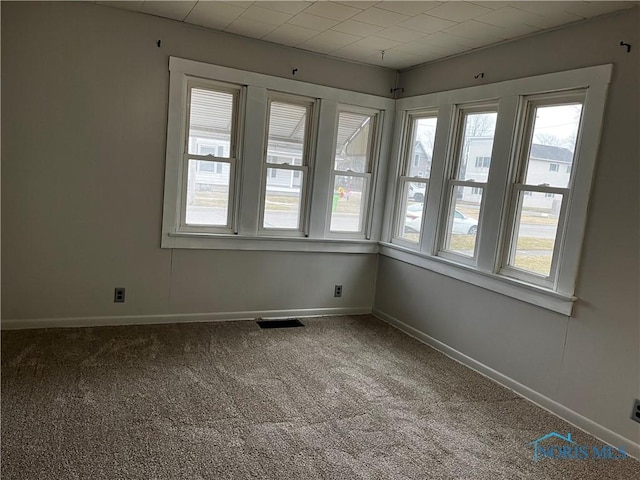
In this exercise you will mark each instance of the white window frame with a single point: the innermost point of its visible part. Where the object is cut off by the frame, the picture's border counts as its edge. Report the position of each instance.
(367, 176)
(306, 167)
(252, 135)
(524, 140)
(453, 164)
(497, 202)
(407, 139)
(238, 98)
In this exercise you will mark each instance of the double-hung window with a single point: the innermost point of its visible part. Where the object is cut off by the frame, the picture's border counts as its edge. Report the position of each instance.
(356, 133)
(287, 164)
(209, 157)
(540, 194)
(508, 188)
(413, 183)
(465, 188)
(252, 163)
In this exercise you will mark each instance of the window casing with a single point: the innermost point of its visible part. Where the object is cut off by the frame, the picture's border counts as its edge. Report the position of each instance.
(356, 145)
(209, 159)
(246, 165)
(290, 127)
(413, 183)
(531, 218)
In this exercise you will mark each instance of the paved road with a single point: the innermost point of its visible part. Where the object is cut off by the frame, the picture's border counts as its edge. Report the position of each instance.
(217, 216)
(341, 221)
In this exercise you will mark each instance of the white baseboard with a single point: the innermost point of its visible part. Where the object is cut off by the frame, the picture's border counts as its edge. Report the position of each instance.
(579, 421)
(18, 324)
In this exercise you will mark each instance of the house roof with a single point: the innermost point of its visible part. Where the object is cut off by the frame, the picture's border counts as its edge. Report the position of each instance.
(549, 152)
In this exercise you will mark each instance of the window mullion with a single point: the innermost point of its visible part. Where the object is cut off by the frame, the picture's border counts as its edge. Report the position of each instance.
(496, 191)
(437, 191)
(252, 140)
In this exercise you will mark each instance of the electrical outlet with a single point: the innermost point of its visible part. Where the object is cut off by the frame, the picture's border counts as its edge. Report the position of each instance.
(635, 415)
(118, 295)
(337, 292)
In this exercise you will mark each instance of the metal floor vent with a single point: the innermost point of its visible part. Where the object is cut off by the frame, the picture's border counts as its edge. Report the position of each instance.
(292, 322)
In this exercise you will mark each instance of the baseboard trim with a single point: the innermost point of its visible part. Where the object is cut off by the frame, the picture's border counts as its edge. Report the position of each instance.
(19, 324)
(577, 420)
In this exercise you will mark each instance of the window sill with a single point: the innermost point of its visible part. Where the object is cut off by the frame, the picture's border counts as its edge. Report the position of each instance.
(212, 241)
(539, 296)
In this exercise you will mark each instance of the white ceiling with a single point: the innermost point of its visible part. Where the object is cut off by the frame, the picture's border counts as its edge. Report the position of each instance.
(409, 32)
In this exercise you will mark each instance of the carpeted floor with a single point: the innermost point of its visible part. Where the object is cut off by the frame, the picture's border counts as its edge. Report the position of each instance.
(341, 398)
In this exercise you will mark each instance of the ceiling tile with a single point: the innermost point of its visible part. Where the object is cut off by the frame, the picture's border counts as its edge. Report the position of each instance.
(334, 11)
(400, 34)
(243, 5)
(427, 24)
(358, 4)
(217, 15)
(377, 43)
(407, 8)
(292, 8)
(458, 11)
(357, 28)
(551, 13)
(493, 5)
(174, 10)
(319, 24)
(328, 41)
(377, 16)
(250, 28)
(446, 40)
(591, 9)
(135, 6)
(478, 30)
(356, 52)
(264, 15)
(291, 35)
(508, 17)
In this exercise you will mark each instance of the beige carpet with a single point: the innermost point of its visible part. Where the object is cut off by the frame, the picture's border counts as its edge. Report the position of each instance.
(341, 398)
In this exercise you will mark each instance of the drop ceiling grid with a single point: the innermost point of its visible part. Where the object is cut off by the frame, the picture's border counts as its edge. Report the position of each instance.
(409, 32)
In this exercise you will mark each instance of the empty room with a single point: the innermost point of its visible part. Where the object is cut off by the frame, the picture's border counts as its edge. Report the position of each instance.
(320, 240)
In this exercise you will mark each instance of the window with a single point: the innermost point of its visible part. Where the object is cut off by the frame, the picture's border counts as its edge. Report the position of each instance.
(414, 182)
(465, 188)
(351, 175)
(534, 242)
(483, 162)
(212, 117)
(287, 152)
(507, 190)
(252, 163)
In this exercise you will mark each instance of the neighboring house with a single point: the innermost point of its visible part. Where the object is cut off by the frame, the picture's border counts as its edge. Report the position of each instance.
(547, 165)
(421, 160)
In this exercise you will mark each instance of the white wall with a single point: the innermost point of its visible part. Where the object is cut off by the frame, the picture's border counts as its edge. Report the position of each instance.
(84, 96)
(589, 363)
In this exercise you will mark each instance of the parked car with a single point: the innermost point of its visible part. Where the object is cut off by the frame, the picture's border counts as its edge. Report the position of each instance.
(416, 192)
(462, 225)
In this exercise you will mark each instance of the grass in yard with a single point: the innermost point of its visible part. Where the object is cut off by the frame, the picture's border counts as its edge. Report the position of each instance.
(534, 263)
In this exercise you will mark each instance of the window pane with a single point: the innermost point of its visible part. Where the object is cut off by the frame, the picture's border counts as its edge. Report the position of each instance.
(536, 227)
(287, 124)
(346, 209)
(210, 121)
(424, 134)
(476, 147)
(207, 193)
(353, 142)
(411, 221)
(462, 222)
(555, 130)
(282, 199)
